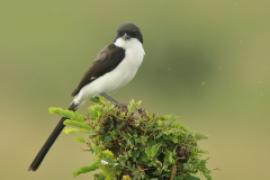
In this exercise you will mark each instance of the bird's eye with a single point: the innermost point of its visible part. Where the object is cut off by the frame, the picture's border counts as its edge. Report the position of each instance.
(132, 34)
(121, 33)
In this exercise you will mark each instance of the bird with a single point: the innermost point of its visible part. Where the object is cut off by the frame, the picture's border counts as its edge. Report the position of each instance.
(114, 67)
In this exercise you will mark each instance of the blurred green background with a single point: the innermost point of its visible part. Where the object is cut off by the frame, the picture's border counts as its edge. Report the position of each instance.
(206, 61)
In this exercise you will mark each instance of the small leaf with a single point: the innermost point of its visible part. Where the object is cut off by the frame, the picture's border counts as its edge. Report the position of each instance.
(107, 154)
(82, 126)
(71, 130)
(66, 113)
(87, 169)
(151, 151)
(199, 136)
(169, 157)
(133, 105)
(95, 99)
(80, 140)
(126, 177)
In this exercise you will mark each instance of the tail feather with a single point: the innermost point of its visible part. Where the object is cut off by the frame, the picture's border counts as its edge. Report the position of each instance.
(50, 141)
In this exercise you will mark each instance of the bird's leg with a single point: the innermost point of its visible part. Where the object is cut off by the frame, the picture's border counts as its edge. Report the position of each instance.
(109, 98)
(121, 106)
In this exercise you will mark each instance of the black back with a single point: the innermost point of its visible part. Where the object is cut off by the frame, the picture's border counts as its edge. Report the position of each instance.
(108, 59)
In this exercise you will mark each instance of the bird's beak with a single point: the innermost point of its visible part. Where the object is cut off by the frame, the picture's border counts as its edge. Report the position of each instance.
(126, 36)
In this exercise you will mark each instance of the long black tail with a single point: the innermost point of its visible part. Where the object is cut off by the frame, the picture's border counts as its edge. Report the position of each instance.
(51, 139)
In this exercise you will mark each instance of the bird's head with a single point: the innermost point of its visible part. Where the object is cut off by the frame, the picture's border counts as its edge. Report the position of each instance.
(128, 34)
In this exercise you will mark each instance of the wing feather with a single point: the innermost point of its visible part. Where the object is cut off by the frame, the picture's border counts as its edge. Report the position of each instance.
(108, 59)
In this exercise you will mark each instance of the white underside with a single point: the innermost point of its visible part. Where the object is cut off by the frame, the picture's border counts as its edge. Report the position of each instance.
(119, 76)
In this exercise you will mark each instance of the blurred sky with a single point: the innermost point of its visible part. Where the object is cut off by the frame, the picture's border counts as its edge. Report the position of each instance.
(206, 62)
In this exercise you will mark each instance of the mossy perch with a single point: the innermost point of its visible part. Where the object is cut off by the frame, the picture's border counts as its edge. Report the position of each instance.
(131, 143)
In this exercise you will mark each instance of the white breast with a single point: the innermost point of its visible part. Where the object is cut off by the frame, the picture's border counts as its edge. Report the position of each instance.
(118, 77)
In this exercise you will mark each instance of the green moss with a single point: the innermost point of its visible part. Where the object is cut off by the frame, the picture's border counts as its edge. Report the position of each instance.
(131, 143)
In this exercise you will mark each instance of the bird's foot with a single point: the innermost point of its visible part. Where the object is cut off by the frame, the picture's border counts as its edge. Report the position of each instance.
(121, 107)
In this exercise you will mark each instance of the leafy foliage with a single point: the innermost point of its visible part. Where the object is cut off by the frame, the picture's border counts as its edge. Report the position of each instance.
(131, 143)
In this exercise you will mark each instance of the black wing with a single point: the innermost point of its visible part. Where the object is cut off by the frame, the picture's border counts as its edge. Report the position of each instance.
(106, 61)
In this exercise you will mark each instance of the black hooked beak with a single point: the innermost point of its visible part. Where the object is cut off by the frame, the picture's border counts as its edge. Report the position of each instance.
(126, 36)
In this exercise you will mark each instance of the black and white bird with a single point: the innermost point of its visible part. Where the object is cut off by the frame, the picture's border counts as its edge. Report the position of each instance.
(115, 66)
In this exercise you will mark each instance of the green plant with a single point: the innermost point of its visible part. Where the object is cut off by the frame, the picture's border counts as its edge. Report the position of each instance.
(131, 143)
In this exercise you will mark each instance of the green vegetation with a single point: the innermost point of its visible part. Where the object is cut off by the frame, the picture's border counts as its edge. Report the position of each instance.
(131, 143)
